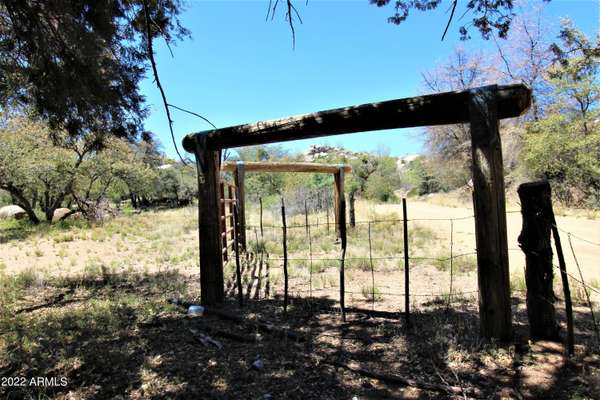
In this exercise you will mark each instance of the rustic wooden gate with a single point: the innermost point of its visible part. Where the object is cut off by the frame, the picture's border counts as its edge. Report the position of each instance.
(226, 209)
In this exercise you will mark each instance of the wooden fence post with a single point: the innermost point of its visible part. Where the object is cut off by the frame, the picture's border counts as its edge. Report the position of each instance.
(262, 232)
(212, 289)
(337, 198)
(565, 283)
(327, 212)
(341, 227)
(490, 215)
(351, 212)
(406, 265)
(535, 243)
(306, 217)
(285, 257)
(239, 175)
(236, 248)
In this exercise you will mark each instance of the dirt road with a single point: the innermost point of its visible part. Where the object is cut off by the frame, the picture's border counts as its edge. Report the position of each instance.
(585, 233)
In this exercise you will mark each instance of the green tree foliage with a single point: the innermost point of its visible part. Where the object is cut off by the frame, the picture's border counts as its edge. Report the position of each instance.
(574, 74)
(175, 185)
(384, 180)
(419, 178)
(50, 170)
(488, 16)
(5, 198)
(557, 139)
(564, 147)
(267, 184)
(78, 63)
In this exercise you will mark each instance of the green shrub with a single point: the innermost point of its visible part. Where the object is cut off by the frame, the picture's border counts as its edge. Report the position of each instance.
(517, 283)
(372, 293)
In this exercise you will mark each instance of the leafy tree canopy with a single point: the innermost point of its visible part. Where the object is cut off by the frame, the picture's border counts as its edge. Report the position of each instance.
(488, 15)
(78, 63)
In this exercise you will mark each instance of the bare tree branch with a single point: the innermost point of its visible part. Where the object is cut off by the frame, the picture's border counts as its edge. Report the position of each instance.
(193, 113)
(504, 59)
(157, 80)
(291, 22)
(450, 19)
(289, 16)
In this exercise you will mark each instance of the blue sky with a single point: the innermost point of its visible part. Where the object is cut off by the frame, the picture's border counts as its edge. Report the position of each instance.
(238, 68)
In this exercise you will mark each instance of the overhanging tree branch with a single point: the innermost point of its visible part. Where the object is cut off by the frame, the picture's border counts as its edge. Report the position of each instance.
(192, 113)
(450, 19)
(157, 79)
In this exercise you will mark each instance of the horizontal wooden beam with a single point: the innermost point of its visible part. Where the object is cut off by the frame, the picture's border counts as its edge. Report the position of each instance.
(254, 166)
(435, 109)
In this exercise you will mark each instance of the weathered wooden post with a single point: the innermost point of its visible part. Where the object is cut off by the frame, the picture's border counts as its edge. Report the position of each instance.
(535, 243)
(262, 232)
(337, 197)
(351, 212)
(223, 219)
(327, 212)
(341, 218)
(236, 249)
(238, 176)
(406, 265)
(285, 257)
(490, 215)
(212, 289)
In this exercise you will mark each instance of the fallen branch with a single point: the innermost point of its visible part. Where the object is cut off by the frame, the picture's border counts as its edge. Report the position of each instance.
(57, 301)
(396, 379)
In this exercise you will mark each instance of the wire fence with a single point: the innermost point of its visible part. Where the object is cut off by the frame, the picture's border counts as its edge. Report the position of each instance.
(441, 262)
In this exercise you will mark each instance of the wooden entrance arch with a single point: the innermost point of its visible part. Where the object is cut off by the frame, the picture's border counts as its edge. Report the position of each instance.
(481, 107)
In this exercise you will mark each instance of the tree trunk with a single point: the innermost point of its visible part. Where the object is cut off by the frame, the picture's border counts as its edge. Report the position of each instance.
(20, 200)
(535, 243)
(34, 199)
(49, 212)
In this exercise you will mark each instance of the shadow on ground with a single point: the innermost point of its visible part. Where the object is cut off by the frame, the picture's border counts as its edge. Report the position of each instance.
(117, 336)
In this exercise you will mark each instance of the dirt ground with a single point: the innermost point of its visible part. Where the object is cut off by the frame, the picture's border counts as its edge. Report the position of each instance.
(97, 313)
(588, 254)
(108, 346)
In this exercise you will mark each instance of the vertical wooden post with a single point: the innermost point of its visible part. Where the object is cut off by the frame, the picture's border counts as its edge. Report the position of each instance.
(351, 212)
(337, 198)
(236, 248)
(535, 243)
(209, 224)
(566, 289)
(285, 260)
(341, 218)
(327, 212)
(262, 232)
(223, 219)
(319, 205)
(306, 217)
(406, 266)
(490, 215)
(239, 175)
